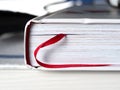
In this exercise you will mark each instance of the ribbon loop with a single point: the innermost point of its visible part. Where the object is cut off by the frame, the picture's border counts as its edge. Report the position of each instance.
(54, 40)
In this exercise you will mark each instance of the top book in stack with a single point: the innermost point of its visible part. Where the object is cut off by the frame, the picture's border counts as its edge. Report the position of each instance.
(76, 38)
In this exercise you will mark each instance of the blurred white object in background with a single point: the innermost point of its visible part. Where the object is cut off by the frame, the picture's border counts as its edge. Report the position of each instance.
(56, 6)
(34, 7)
(114, 3)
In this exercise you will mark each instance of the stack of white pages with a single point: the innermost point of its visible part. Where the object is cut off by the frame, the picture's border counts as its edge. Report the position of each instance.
(76, 38)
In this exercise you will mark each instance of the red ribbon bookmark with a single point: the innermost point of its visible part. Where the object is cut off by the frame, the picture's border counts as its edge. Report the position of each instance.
(54, 40)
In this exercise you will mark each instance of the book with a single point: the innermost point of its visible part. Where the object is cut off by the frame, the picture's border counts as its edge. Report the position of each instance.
(85, 14)
(77, 38)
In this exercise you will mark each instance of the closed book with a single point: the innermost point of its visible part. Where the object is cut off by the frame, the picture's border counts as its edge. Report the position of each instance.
(76, 38)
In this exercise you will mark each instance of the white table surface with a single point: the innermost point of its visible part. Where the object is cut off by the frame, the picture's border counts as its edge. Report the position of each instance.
(28, 79)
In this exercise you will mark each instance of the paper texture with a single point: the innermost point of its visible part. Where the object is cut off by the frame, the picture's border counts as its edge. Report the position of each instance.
(95, 44)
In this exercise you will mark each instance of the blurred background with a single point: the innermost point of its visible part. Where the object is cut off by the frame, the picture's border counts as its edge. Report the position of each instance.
(14, 14)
